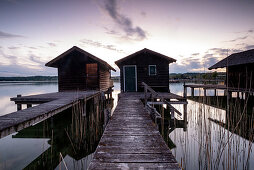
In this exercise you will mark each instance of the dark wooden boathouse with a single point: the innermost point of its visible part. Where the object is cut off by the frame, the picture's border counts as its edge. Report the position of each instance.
(80, 70)
(240, 69)
(144, 66)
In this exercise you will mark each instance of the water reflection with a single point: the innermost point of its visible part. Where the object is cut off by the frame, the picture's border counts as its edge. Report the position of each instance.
(68, 138)
(8, 90)
(215, 138)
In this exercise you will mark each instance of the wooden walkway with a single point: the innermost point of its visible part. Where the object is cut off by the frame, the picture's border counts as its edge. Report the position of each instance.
(53, 103)
(131, 140)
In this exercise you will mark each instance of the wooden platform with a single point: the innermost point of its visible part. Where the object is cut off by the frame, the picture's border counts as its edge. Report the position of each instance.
(131, 140)
(219, 87)
(53, 103)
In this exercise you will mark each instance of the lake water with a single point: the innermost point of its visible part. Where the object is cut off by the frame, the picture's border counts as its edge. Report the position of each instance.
(205, 144)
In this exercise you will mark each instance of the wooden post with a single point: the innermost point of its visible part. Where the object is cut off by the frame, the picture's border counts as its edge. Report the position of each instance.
(145, 90)
(184, 90)
(237, 94)
(172, 113)
(192, 92)
(29, 105)
(185, 116)
(215, 92)
(19, 106)
(162, 119)
(204, 92)
(110, 97)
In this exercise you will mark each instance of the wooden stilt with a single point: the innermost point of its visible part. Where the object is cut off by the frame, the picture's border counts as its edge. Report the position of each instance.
(184, 91)
(185, 116)
(19, 106)
(192, 92)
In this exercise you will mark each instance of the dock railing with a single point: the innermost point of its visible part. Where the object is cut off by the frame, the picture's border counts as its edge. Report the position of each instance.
(149, 93)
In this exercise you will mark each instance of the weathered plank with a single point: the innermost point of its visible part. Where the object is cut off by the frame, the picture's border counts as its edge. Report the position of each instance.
(24, 118)
(131, 140)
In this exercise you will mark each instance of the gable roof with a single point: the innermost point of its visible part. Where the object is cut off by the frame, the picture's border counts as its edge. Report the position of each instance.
(145, 50)
(53, 62)
(244, 57)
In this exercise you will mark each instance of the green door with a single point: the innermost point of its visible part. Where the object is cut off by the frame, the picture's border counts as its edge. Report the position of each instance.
(130, 78)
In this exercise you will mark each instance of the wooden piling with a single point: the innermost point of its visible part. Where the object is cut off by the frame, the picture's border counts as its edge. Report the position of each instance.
(184, 91)
(19, 106)
(192, 92)
(185, 116)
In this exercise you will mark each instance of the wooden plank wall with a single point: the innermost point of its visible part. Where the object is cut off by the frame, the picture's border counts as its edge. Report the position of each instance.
(104, 78)
(72, 74)
(143, 61)
(241, 76)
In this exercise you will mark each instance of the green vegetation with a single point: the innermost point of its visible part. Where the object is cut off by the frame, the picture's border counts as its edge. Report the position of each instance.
(30, 78)
(194, 76)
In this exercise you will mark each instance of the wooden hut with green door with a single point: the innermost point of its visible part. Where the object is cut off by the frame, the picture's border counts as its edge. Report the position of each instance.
(144, 66)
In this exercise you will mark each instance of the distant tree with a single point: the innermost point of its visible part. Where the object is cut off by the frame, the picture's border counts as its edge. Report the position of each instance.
(214, 75)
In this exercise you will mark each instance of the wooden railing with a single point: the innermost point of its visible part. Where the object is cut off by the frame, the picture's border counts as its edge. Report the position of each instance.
(149, 93)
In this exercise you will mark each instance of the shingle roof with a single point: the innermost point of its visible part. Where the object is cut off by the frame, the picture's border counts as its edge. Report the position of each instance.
(244, 57)
(145, 50)
(53, 62)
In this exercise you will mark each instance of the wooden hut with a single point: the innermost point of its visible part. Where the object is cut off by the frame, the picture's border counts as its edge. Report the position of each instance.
(144, 66)
(239, 67)
(80, 70)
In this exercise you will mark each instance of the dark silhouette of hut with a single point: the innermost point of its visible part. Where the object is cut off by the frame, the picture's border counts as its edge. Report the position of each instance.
(144, 66)
(80, 70)
(239, 67)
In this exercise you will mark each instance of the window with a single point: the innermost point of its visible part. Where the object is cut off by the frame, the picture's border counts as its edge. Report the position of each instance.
(152, 70)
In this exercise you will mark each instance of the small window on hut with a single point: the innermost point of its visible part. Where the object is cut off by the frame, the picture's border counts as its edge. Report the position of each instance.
(152, 70)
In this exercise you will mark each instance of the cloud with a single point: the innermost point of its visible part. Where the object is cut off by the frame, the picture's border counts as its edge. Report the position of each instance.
(143, 14)
(52, 44)
(99, 44)
(249, 47)
(250, 31)
(195, 54)
(13, 68)
(13, 48)
(33, 48)
(238, 38)
(123, 22)
(8, 35)
(36, 59)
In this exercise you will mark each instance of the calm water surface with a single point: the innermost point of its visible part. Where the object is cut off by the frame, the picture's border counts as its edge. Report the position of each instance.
(196, 147)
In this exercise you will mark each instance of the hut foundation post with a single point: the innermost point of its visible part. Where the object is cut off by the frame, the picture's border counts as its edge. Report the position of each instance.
(184, 91)
(19, 106)
(145, 90)
(246, 94)
(29, 105)
(204, 92)
(185, 116)
(215, 92)
(172, 113)
(192, 92)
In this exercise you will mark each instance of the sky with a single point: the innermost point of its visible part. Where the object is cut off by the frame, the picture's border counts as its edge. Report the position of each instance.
(197, 33)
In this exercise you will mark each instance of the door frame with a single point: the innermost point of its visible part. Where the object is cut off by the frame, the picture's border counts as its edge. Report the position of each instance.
(135, 66)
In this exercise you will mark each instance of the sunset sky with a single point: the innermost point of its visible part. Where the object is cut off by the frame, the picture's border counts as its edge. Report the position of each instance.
(197, 33)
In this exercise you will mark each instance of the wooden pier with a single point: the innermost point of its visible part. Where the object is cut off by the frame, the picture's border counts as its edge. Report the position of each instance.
(227, 90)
(131, 140)
(52, 103)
